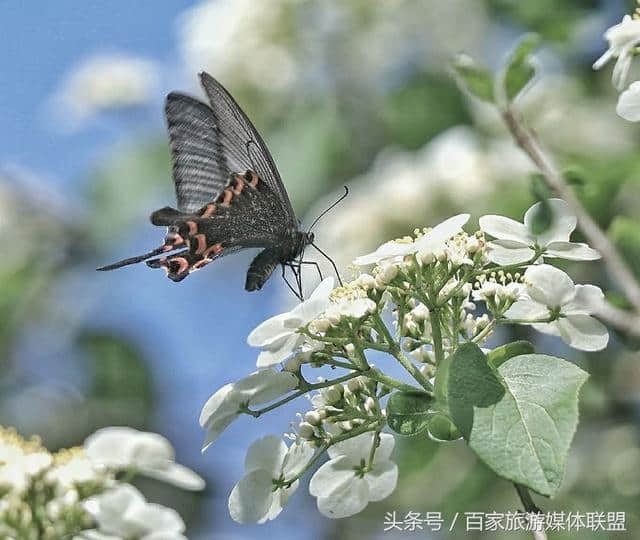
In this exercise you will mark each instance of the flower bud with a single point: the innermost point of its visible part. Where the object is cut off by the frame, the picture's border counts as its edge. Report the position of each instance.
(333, 394)
(320, 325)
(472, 244)
(322, 413)
(426, 256)
(369, 404)
(387, 273)
(355, 385)
(350, 349)
(420, 312)
(366, 281)
(305, 430)
(313, 418)
(428, 370)
(345, 426)
(293, 363)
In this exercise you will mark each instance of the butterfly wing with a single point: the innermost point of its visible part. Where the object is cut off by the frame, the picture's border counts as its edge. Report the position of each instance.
(208, 144)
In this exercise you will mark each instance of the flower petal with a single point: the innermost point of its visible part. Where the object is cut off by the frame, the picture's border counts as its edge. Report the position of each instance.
(504, 228)
(528, 310)
(359, 447)
(571, 251)
(583, 332)
(629, 103)
(388, 250)
(549, 285)
(251, 498)
(269, 332)
(265, 385)
(382, 480)
(442, 232)
(563, 222)
(298, 455)
(266, 454)
(280, 498)
(331, 475)
(347, 500)
(273, 356)
(588, 299)
(505, 252)
(176, 475)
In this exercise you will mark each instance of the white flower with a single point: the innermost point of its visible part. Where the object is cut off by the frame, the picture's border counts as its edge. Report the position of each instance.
(622, 38)
(355, 308)
(105, 82)
(278, 336)
(430, 241)
(551, 291)
(260, 496)
(124, 513)
(148, 453)
(345, 484)
(78, 469)
(516, 242)
(20, 460)
(225, 405)
(629, 103)
(491, 289)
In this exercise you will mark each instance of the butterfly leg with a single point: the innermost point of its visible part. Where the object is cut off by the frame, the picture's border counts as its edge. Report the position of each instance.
(284, 276)
(314, 263)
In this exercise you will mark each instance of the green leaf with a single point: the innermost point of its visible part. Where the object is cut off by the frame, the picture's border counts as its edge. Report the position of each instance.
(519, 68)
(442, 429)
(408, 413)
(477, 80)
(544, 216)
(500, 355)
(519, 420)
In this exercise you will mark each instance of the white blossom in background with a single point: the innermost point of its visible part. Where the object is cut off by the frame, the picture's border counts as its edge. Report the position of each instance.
(260, 496)
(70, 494)
(123, 512)
(278, 336)
(552, 294)
(348, 481)
(623, 38)
(225, 405)
(516, 242)
(101, 83)
(151, 454)
(629, 103)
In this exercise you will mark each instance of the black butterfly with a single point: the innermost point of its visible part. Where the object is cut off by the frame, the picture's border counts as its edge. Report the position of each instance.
(230, 194)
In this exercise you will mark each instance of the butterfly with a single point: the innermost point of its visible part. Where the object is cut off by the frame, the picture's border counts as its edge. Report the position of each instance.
(230, 195)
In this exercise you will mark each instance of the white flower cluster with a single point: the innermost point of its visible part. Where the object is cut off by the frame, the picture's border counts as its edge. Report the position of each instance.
(75, 493)
(623, 39)
(429, 285)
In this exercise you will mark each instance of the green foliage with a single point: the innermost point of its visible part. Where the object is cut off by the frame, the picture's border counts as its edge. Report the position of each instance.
(408, 414)
(520, 419)
(421, 109)
(519, 68)
(625, 232)
(499, 355)
(475, 79)
(554, 20)
(121, 384)
(441, 428)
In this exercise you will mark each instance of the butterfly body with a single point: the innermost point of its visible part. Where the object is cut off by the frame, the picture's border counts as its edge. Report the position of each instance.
(230, 194)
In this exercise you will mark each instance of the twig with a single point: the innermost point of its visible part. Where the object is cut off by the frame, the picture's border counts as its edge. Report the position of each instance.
(530, 508)
(594, 234)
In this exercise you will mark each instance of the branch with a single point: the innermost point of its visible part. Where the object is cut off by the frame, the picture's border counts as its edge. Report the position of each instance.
(530, 508)
(594, 234)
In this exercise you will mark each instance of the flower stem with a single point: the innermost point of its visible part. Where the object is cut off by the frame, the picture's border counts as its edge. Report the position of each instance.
(396, 352)
(594, 234)
(306, 388)
(436, 334)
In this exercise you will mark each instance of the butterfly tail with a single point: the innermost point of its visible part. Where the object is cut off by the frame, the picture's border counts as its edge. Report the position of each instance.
(133, 260)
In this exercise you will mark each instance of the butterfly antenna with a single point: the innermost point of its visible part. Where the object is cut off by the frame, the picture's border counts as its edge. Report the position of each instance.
(132, 260)
(342, 198)
(335, 268)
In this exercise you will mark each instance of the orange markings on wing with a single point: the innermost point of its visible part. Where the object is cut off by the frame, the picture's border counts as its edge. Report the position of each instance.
(215, 249)
(252, 178)
(226, 197)
(202, 243)
(183, 264)
(238, 185)
(208, 211)
(200, 264)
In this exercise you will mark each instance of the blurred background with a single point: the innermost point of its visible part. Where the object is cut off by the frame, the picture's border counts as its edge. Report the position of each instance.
(353, 93)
